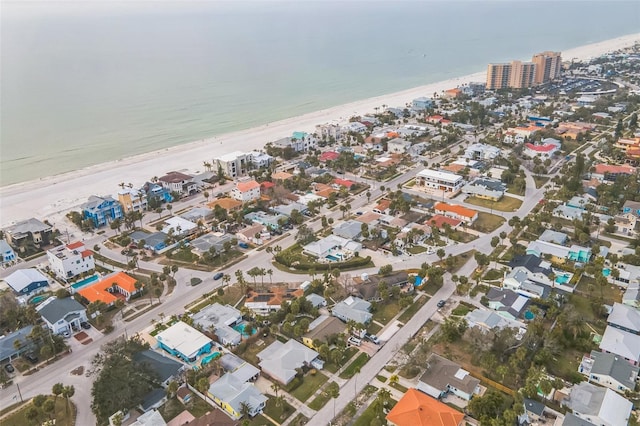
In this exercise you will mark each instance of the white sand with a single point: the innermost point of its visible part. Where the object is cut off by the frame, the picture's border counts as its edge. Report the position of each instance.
(48, 198)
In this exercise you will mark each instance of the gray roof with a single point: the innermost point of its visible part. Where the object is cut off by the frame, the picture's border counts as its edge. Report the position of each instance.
(280, 360)
(54, 309)
(205, 242)
(551, 236)
(591, 400)
(4, 247)
(246, 372)
(22, 278)
(163, 366)
(197, 213)
(533, 406)
(152, 398)
(230, 361)
(316, 300)
(625, 316)
(353, 308)
(287, 209)
(621, 343)
(514, 303)
(571, 419)
(151, 240)
(95, 201)
(350, 229)
(611, 365)
(441, 373)
(28, 226)
(324, 326)
(216, 315)
(7, 341)
(234, 392)
(490, 319)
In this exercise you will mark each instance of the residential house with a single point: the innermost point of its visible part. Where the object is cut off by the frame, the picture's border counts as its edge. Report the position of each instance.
(179, 183)
(439, 221)
(329, 130)
(332, 248)
(316, 300)
(298, 142)
(491, 321)
(62, 315)
(544, 150)
(29, 231)
(220, 319)
(179, 227)
(69, 261)
(355, 127)
(507, 303)
(27, 281)
(280, 360)
(165, 368)
(610, 371)
(442, 377)
(555, 237)
(600, 406)
(488, 189)
(226, 203)
(12, 345)
(153, 400)
(212, 240)
(239, 367)
(150, 418)
(631, 207)
(117, 285)
(559, 253)
(7, 255)
(102, 210)
(606, 173)
(253, 234)
(631, 296)
(198, 214)
(246, 191)
(439, 181)
(578, 202)
(232, 393)
(288, 209)
(156, 241)
(481, 151)
(132, 200)
(350, 230)
(321, 328)
(398, 146)
(533, 412)
(262, 302)
(456, 211)
(625, 318)
(270, 221)
(567, 212)
(418, 409)
(260, 159)
(422, 103)
(621, 343)
(383, 207)
(353, 309)
(518, 281)
(571, 419)
(184, 341)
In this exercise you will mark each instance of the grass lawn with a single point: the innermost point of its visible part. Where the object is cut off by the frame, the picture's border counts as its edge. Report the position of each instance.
(399, 387)
(460, 311)
(373, 328)
(416, 249)
(540, 180)
(385, 312)
(462, 237)
(492, 274)
(348, 354)
(359, 362)
(198, 407)
(367, 417)
(279, 414)
(610, 293)
(171, 409)
(381, 378)
(251, 351)
(309, 385)
(320, 401)
(505, 204)
(231, 296)
(299, 420)
(61, 415)
(412, 309)
(487, 222)
(516, 190)
(259, 420)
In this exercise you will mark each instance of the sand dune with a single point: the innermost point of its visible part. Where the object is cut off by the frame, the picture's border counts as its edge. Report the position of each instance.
(48, 198)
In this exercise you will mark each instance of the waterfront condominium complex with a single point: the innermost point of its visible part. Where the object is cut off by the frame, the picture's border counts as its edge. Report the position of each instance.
(543, 68)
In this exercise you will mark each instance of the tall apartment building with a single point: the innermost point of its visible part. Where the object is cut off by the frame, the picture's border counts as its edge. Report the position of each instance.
(548, 66)
(543, 68)
(234, 164)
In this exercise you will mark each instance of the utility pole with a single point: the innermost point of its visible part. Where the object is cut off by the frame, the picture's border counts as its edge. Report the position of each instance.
(19, 393)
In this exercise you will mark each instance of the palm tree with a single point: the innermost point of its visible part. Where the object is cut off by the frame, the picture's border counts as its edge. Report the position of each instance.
(384, 396)
(68, 392)
(245, 409)
(57, 390)
(270, 273)
(202, 386)
(275, 388)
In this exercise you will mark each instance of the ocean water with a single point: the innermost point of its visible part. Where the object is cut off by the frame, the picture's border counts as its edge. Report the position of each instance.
(83, 83)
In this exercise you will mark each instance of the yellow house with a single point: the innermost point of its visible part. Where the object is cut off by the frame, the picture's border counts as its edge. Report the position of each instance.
(230, 392)
(321, 328)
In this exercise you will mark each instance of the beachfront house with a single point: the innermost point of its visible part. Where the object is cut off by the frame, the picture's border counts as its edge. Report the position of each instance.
(132, 200)
(69, 261)
(30, 231)
(7, 255)
(233, 164)
(179, 183)
(422, 103)
(102, 210)
(62, 315)
(27, 281)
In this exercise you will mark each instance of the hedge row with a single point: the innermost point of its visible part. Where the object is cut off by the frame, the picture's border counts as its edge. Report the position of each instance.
(353, 263)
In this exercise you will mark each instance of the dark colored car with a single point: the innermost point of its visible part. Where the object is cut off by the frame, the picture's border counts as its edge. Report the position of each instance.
(31, 357)
(218, 276)
(85, 325)
(9, 368)
(441, 303)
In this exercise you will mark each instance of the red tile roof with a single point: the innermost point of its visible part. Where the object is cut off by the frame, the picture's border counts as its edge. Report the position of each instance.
(99, 290)
(618, 169)
(86, 253)
(419, 409)
(541, 148)
(328, 156)
(438, 221)
(343, 182)
(247, 186)
(75, 245)
(267, 185)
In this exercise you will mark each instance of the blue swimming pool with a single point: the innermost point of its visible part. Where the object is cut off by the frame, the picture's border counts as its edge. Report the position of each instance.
(529, 315)
(606, 272)
(563, 278)
(38, 299)
(207, 359)
(83, 283)
(241, 328)
(333, 258)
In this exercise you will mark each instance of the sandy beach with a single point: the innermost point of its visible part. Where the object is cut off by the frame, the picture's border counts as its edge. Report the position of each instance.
(48, 198)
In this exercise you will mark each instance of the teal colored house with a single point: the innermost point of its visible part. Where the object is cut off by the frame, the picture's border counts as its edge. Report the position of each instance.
(560, 253)
(184, 341)
(102, 210)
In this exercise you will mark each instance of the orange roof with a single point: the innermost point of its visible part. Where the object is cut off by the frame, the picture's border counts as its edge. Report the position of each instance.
(392, 134)
(267, 185)
(281, 176)
(86, 253)
(455, 208)
(383, 205)
(438, 221)
(610, 168)
(75, 245)
(99, 290)
(247, 186)
(225, 203)
(343, 182)
(419, 409)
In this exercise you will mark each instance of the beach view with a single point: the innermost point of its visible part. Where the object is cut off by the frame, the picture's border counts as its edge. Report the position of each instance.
(319, 213)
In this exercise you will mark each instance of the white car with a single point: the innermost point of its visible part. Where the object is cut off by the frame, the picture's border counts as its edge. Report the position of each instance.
(354, 341)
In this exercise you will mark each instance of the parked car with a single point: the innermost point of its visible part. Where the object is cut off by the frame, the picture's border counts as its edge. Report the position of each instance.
(31, 357)
(354, 341)
(441, 303)
(9, 368)
(66, 334)
(85, 325)
(243, 245)
(218, 275)
(373, 338)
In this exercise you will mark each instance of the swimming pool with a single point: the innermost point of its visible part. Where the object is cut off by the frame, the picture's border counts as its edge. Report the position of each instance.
(333, 258)
(39, 299)
(83, 283)
(207, 359)
(240, 328)
(606, 272)
(528, 315)
(563, 278)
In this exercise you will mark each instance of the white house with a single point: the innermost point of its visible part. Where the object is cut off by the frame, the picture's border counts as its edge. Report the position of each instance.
(71, 260)
(260, 159)
(178, 226)
(398, 146)
(246, 191)
(436, 180)
(280, 360)
(178, 182)
(610, 371)
(220, 319)
(598, 405)
(62, 315)
(333, 248)
(481, 151)
(234, 164)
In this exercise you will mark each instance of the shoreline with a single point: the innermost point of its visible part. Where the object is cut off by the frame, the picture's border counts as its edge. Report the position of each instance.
(52, 195)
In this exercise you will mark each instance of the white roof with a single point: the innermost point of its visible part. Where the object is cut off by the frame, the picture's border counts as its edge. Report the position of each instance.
(621, 343)
(231, 156)
(625, 316)
(21, 279)
(440, 175)
(183, 338)
(280, 360)
(175, 222)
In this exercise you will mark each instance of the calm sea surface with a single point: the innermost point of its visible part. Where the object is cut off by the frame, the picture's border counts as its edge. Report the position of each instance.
(82, 84)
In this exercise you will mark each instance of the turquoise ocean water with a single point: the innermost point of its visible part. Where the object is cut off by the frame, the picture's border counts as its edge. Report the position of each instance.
(84, 83)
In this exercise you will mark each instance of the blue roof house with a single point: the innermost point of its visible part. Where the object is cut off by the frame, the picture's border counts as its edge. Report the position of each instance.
(422, 103)
(102, 210)
(7, 254)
